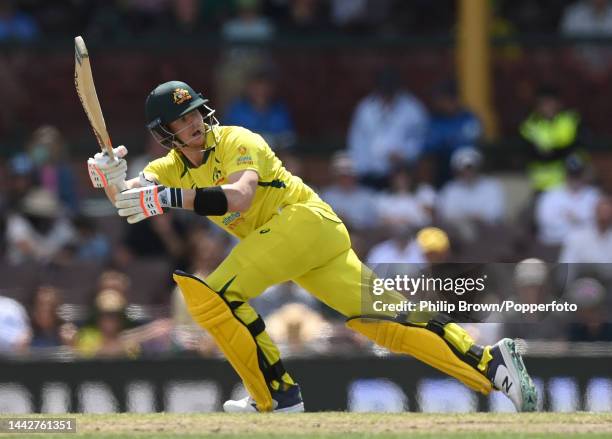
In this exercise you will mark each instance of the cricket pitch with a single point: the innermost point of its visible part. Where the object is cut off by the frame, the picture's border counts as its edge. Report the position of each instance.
(334, 425)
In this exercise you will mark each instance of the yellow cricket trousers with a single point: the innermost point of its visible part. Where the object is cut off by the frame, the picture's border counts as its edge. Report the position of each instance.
(305, 243)
(308, 244)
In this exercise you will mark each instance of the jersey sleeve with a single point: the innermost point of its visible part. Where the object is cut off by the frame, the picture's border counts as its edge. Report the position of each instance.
(245, 150)
(163, 171)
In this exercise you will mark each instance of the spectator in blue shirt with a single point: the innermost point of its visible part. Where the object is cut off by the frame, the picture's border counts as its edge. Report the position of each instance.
(16, 25)
(261, 111)
(451, 127)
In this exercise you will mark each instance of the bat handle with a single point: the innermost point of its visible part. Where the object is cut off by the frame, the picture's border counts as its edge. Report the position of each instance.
(110, 152)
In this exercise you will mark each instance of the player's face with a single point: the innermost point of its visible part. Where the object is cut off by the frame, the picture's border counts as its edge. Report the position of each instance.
(189, 129)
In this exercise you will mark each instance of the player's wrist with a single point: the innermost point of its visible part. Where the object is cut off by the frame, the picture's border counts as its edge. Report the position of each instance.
(170, 197)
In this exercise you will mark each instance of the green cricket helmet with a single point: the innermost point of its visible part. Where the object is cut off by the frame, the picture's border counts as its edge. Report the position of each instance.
(170, 101)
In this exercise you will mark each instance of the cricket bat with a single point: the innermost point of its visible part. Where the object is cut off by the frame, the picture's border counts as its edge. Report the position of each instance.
(84, 83)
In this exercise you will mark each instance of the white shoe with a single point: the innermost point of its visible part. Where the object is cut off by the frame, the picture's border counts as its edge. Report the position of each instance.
(286, 401)
(508, 374)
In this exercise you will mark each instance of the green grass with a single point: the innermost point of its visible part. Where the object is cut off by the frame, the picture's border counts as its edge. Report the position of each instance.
(340, 426)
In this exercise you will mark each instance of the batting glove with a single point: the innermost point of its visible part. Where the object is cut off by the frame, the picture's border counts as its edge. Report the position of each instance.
(141, 203)
(104, 172)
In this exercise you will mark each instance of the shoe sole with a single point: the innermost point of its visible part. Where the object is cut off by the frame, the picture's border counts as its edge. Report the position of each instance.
(519, 374)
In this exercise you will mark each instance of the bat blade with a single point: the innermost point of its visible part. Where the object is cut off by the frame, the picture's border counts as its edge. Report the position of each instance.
(84, 83)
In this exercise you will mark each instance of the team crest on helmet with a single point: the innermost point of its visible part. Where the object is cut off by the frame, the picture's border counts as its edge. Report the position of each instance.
(180, 95)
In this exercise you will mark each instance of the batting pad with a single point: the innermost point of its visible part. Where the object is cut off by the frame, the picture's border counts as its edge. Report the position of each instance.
(422, 344)
(213, 313)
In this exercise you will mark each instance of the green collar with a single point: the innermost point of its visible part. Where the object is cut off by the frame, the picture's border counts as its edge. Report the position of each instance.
(211, 137)
(187, 165)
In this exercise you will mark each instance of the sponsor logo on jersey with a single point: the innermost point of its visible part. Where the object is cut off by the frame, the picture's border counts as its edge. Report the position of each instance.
(180, 95)
(236, 223)
(244, 160)
(217, 175)
(230, 218)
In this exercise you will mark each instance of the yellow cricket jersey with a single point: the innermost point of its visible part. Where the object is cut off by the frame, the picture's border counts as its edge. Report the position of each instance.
(238, 149)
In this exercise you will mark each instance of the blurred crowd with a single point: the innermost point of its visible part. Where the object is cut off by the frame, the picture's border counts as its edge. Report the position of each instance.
(259, 20)
(412, 184)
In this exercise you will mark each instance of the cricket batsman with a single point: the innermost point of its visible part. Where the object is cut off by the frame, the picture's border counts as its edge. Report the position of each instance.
(287, 233)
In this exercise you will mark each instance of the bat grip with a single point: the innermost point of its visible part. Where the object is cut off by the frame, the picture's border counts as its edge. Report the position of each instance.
(110, 152)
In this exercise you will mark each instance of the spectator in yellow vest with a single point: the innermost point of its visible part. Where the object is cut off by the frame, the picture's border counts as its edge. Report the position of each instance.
(553, 133)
